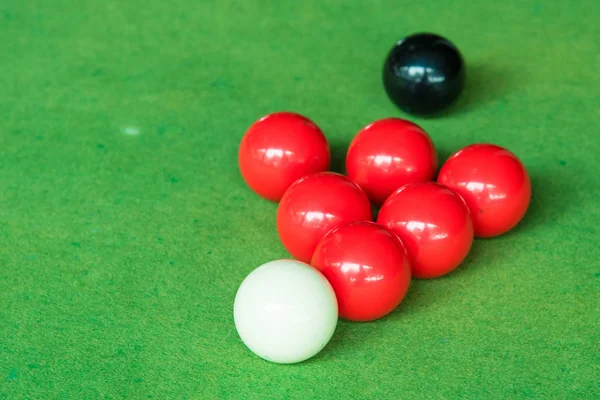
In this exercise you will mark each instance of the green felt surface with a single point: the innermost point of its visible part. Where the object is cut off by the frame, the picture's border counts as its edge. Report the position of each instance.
(125, 228)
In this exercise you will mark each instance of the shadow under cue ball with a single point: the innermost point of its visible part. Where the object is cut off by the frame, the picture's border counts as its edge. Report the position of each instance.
(424, 74)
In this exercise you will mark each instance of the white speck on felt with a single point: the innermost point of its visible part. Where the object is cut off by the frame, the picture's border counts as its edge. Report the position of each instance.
(131, 130)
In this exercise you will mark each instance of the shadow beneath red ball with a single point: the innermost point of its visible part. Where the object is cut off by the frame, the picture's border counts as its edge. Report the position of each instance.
(552, 196)
(338, 149)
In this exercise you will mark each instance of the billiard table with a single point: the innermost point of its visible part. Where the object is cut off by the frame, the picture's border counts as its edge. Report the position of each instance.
(126, 227)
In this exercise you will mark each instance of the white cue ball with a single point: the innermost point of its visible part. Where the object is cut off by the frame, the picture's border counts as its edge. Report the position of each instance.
(285, 311)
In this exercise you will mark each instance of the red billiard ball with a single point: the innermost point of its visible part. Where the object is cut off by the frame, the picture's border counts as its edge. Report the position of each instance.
(494, 184)
(313, 206)
(390, 153)
(434, 224)
(279, 149)
(368, 268)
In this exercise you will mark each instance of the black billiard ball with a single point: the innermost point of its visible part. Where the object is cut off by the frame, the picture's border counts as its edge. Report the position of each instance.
(424, 74)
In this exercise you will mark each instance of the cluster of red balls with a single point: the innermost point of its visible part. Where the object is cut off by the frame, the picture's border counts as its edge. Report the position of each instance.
(425, 225)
